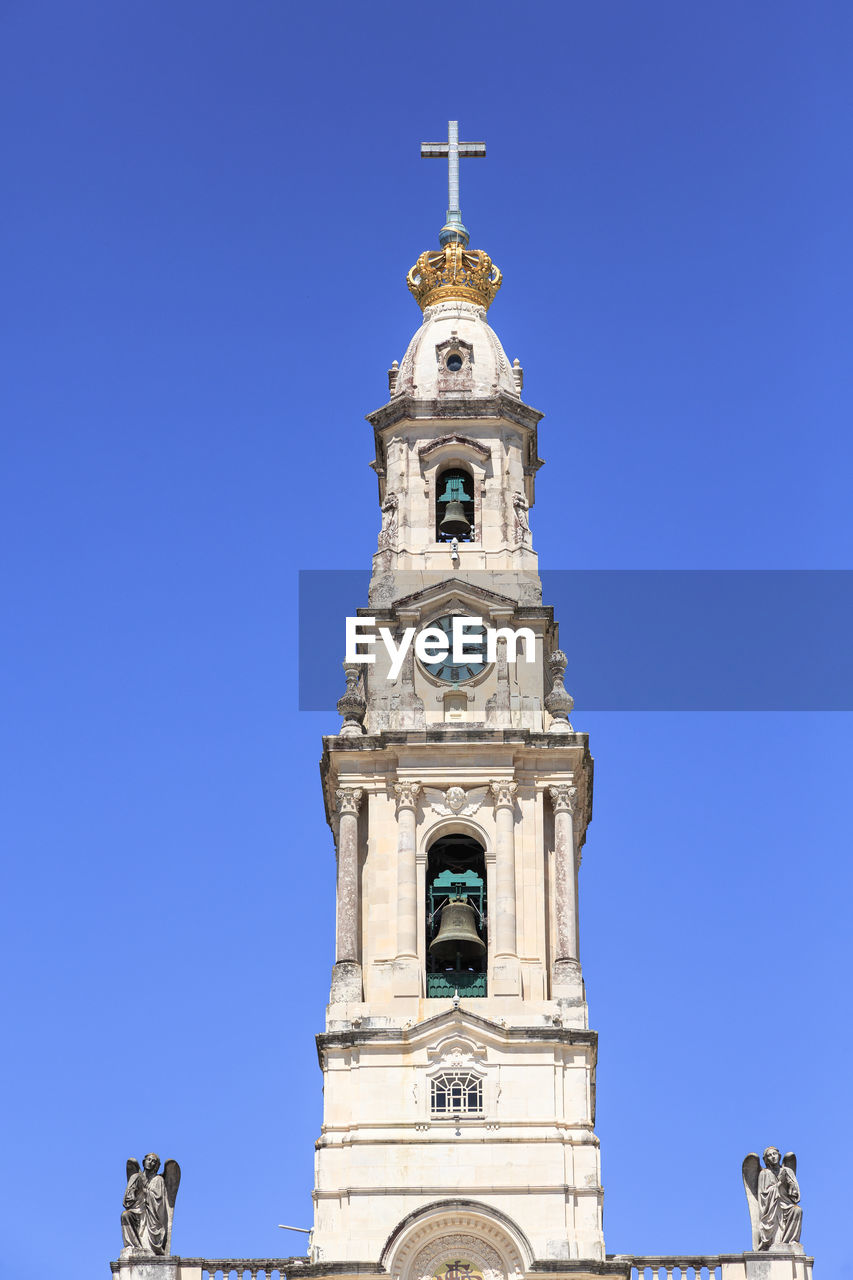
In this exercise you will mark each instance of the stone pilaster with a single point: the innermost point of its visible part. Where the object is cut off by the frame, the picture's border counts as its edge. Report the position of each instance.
(566, 980)
(499, 705)
(407, 980)
(506, 971)
(346, 975)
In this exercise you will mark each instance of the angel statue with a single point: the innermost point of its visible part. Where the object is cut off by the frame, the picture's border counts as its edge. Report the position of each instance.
(773, 1196)
(149, 1203)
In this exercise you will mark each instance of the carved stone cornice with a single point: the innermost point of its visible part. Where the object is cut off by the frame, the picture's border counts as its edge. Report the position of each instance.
(348, 800)
(563, 797)
(407, 793)
(408, 408)
(503, 793)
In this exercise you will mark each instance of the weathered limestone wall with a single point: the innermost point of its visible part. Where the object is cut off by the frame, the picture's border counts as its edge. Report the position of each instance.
(531, 1153)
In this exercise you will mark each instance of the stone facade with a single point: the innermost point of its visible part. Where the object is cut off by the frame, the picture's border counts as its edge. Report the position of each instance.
(475, 759)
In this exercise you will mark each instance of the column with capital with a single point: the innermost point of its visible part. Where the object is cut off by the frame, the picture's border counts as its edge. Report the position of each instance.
(346, 975)
(407, 977)
(566, 980)
(506, 971)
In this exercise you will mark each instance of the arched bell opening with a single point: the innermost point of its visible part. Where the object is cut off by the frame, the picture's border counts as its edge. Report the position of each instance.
(457, 946)
(454, 506)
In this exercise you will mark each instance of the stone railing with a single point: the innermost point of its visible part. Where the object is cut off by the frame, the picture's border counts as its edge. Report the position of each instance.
(687, 1268)
(267, 1268)
(173, 1267)
(619, 1266)
(722, 1266)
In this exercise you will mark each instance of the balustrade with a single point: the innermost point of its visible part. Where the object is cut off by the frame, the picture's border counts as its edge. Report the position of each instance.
(708, 1267)
(255, 1268)
(663, 1268)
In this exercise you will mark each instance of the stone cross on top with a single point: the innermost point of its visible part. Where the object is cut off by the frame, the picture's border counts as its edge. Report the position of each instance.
(454, 150)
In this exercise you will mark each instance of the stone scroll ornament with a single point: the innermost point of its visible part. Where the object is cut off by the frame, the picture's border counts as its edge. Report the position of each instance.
(773, 1196)
(149, 1204)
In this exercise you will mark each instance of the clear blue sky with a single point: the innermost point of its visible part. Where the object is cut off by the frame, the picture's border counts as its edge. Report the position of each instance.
(208, 215)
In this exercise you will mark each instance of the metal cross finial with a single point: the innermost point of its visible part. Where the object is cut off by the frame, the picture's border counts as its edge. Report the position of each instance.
(454, 150)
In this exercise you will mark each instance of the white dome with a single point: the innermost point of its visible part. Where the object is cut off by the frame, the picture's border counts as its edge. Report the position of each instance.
(455, 353)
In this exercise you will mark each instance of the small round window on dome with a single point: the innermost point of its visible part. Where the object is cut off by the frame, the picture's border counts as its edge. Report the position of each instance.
(454, 362)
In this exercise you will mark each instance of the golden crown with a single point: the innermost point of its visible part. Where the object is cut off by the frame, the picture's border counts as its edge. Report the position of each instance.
(468, 275)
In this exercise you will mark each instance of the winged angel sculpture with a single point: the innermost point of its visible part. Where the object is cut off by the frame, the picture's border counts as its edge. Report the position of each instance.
(149, 1204)
(773, 1196)
(455, 801)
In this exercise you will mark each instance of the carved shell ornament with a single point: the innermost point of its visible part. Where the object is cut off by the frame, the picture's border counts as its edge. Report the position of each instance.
(455, 802)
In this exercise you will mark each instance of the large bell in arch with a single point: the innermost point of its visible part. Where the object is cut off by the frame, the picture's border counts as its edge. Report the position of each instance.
(454, 523)
(457, 938)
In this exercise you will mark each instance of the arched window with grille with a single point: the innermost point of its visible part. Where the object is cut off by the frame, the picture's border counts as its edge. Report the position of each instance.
(457, 1093)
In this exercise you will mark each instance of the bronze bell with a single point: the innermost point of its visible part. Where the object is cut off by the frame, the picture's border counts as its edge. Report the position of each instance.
(455, 523)
(457, 936)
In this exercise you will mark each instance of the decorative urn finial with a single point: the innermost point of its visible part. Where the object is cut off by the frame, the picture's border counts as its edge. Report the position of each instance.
(559, 702)
(353, 704)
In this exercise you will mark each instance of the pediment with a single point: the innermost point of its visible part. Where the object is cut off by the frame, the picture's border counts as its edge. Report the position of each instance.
(457, 1031)
(454, 344)
(462, 442)
(455, 594)
(471, 1028)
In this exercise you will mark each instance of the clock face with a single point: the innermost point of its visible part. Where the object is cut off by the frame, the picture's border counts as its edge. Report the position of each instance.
(451, 672)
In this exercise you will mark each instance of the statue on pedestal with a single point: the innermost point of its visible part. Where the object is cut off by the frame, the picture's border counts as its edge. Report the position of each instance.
(773, 1196)
(149, 1203)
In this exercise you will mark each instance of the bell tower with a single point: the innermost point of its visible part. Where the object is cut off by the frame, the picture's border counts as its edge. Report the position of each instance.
(459, 1067)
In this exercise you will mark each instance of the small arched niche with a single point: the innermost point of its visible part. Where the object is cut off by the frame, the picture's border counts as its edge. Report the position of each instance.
(457, 944)
(454, 505)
